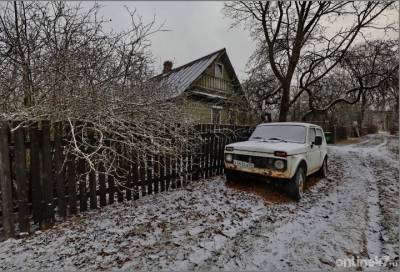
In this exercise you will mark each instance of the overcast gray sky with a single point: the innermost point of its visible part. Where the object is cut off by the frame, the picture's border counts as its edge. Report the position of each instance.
(197, 28)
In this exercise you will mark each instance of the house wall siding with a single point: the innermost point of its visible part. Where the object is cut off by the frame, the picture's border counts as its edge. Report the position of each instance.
(200, 111)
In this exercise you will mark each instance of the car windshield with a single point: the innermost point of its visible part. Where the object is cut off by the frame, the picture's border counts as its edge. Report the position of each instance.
(286, 133)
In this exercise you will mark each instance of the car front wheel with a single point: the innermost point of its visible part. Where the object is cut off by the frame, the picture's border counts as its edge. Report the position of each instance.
(323, 171)
(229, 176)
(296, 185)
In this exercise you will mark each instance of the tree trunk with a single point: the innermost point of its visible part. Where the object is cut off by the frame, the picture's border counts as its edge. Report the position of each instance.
(284, 108)
(362, 111)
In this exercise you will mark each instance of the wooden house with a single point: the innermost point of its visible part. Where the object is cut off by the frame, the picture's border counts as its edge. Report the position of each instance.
(211, 89)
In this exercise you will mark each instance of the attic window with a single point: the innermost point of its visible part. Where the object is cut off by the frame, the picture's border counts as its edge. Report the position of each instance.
(219, 68)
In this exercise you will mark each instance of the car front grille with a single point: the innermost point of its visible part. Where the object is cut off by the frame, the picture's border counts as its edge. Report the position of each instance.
(260, 162)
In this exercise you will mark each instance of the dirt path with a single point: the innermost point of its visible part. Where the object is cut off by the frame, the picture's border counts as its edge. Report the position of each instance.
(351, 215)
(243, 226)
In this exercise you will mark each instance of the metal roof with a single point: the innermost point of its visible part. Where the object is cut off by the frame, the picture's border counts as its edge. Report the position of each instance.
(180, 78)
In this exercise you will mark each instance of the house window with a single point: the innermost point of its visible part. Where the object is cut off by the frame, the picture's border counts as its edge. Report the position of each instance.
(216, 115)
(219, 70)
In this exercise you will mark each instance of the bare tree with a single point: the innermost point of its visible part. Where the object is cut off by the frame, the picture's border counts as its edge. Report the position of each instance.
(363, 74)
(295, 35)
(59, 62)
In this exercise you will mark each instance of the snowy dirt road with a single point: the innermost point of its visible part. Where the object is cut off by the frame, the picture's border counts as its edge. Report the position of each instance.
(211, 225)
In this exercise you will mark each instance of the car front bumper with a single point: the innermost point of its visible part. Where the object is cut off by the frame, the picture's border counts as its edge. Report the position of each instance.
(258, 171)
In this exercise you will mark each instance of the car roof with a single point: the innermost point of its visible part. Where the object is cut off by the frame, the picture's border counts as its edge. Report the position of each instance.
(289, 124)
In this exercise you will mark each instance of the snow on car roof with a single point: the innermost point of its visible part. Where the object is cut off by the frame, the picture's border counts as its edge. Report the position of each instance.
(289, 124)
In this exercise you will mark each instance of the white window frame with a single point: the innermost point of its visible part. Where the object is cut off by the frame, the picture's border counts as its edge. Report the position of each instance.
(219, 108)
(217, 65)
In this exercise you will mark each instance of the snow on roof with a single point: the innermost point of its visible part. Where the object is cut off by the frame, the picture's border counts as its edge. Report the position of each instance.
(209, 95)
(289, 124)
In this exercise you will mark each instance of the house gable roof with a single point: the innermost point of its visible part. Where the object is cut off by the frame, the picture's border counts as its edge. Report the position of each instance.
(180, 78)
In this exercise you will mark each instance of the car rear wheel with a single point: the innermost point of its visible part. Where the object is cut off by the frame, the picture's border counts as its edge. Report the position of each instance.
(297, 183)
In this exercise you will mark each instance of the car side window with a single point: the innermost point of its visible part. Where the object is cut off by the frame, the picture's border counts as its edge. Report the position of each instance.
(311, 135)
(319, 133)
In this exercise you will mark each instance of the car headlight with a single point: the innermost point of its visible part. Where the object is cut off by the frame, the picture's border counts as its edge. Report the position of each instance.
(279, 164)
(228, 158)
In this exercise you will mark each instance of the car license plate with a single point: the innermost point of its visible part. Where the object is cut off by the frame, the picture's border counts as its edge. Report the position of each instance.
(243, 164)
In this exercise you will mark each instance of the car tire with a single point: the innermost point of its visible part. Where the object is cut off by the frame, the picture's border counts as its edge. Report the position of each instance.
(297, 183)
(229, 176)
(323, 171)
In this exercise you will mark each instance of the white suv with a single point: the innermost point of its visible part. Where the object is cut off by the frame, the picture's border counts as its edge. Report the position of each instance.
(280, 152)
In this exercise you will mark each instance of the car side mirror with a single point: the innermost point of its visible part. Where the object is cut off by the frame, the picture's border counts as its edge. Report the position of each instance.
(318, 140)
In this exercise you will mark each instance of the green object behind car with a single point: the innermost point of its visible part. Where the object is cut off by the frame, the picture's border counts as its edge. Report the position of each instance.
(328, 137)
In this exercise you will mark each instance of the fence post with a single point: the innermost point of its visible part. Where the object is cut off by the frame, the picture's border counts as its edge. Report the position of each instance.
(5, 182)
(21, 180)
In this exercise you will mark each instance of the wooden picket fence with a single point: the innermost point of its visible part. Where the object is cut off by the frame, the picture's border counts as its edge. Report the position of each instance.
(38, 189)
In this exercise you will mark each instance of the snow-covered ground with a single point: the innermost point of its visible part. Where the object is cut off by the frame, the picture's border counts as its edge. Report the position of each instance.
(210, 225)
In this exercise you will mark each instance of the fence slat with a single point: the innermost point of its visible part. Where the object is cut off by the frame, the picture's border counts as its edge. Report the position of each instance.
(36, 187)
(5, 183)
(102, 186)
(162, 173)
(92, 189)
(156, 175)
(207, 153)
(119, 180)
(59, 170)
(173, 173)
(135, 174)
(167, 173)
(72, 199)
(21, 180)
(195, 152)
(82, 185)
(111, 189)
(128, 181)
(178, 167)
(142, 176)
(149, 178)
(47, 176)
(212, 153)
